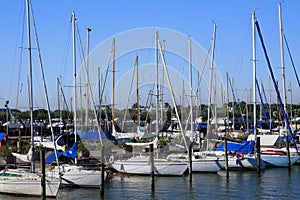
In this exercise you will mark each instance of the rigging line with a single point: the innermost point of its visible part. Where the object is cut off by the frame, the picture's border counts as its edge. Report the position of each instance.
(80, 43)
(130, 89)
(242, 53)
(275, 85)
(204, 65)
(65, 54)
(20, 64)
(63, 94)
(44, 83)
(262, 104)
(292, 61)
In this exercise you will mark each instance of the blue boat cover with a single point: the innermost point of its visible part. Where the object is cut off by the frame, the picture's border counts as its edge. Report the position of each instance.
(203, 126)
(93, 135)
(51, 158)
(2, 136)
(70, 153)
(246, 147)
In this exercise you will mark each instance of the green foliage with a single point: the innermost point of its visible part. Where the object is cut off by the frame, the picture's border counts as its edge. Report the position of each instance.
(81, 147)
(5, 151)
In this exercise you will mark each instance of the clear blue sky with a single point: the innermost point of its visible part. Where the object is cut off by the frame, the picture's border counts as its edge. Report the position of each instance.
(107, 18)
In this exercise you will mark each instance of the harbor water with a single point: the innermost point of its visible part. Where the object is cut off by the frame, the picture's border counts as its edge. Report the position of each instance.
(274, 183)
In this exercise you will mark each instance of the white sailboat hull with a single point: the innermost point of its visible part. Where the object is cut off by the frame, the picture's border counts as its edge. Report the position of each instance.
(278, 160)
(25, 183)
(78, 176)
(248, 162)
(161, 168)
(207, 165)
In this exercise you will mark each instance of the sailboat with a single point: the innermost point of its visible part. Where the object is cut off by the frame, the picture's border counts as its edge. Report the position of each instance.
(141, 164)
(279, 157)
(242, 155)
(73, 174)
(202, 162)
(22, 181)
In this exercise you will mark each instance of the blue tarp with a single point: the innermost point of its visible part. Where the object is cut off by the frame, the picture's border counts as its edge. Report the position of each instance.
(70, 153)
(203, 126)
(246, 147)
(51, 158)
(2, 136)
(93, 135)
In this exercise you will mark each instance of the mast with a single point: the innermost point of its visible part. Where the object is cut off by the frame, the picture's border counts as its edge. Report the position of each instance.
(157, 84)
(191, 82)
(227, 99)
(137, 94)
(113, 86)
(75, 84)
(172, 93)
(30, 86)
(211, 78)
(282, 59)
(254, 73)
(88, 30)
(162, 90)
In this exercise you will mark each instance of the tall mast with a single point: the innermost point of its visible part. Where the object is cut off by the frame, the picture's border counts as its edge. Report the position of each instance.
(282, 59)
(88, 30)
(137, 93)
(191, 83)
(227, 101)
(113, 86)
(157, 86)
(30, 86)
(162, 90)
(211, 78)
(254, 73)
(172, 93)
(75, 84)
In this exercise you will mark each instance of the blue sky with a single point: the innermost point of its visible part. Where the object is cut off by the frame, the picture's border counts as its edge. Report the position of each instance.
(107, 18)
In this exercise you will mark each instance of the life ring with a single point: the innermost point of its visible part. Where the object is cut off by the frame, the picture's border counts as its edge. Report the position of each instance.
(111, 159)
(240, 156)
(52, 167)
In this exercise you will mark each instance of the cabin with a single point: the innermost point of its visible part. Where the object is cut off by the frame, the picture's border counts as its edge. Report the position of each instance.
(269, 141)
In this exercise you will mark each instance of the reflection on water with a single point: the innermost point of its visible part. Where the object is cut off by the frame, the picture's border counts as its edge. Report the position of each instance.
(276, 183)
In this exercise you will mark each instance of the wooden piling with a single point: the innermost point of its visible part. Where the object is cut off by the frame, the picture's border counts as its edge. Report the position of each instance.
(258, 154)
(191, 162)
(102, 168)
(43, 178)
(152, 168)
(226, 157)
(288, 152)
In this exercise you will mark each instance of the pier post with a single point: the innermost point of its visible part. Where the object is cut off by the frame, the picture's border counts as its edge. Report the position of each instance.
(226, 157)
(43, 178)
(152, 167)
(102, 172)
(190, 161)
(288, 152)
(258, 154)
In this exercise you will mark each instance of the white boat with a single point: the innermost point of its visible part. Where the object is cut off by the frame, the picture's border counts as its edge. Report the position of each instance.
(18, 181)
(74, 175)
(48, 143)
(21, 182)
(200, 162)
(274, 152)
(141, 166)
(244, 161)
(278, 157)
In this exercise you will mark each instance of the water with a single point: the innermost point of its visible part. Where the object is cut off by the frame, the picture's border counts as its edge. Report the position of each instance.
(275, 183)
